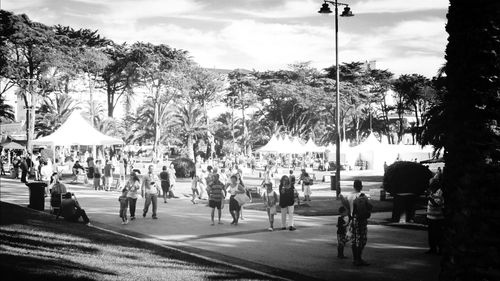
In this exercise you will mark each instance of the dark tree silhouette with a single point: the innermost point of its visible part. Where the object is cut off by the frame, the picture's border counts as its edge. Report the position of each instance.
(471, 111)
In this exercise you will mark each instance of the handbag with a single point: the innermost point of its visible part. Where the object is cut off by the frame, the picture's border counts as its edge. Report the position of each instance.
(242, 198)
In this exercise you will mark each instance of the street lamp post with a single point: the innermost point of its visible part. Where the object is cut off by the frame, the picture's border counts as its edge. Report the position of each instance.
(325, 9)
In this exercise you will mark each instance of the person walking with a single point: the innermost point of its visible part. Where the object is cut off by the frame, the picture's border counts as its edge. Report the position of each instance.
(97, 175)
(435, 216)
(172, 180)
(165, 183)
(123, 206)
(216, 194)
(133, 185)
(342, 225)
(359, 213)
(270, 201)
(150, 192)
(194, 188)
(108, 175)
(247, 192)
(306, 181)
(24, 169)
(235, 188)
(287, 201)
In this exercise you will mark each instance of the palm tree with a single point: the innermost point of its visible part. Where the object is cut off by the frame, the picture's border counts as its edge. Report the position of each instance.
(141, 127)
(190, 119)
(6, 110)
(53, 113)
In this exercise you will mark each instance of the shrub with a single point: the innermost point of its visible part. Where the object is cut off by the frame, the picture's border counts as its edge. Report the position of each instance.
(407, 177)
(184, 167)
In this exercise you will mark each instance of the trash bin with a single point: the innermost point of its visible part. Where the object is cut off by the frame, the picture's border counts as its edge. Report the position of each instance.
(333, 181)
(37, 195)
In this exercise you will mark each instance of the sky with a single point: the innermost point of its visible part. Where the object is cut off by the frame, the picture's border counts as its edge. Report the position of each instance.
(404, 36)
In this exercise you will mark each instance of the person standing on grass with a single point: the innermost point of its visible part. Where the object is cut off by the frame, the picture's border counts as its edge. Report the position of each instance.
(234, 207)
(270, 201)
(133, 186)
(123, 205)
(359, 208)
(216, 195)
(165, 183)
(435, 216)
(287, 201)
(150, 191)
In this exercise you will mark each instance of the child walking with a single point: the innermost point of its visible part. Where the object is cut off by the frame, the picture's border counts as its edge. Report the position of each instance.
(342, 224)
(194, 188)
(123, 206)
(270, 201)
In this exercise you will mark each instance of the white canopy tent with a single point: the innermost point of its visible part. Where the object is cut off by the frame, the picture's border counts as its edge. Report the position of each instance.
(76, 131)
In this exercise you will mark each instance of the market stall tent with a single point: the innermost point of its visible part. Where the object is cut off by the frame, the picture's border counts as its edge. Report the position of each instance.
(76, 131)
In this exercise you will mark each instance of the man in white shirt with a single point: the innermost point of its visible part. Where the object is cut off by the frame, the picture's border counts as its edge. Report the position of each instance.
(150, 191)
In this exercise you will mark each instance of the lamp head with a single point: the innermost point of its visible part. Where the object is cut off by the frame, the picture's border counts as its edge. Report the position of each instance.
(325, 9)
(347, 12)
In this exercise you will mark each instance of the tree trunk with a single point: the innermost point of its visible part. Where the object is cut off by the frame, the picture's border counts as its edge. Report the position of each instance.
(156, 121)
(471, 132)
(243, 120)
(111, 99)
(190, 147)
(30, 104)
(417, 125)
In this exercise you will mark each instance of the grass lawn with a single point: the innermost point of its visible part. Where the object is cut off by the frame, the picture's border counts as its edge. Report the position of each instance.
(35, 246)
(321, 206)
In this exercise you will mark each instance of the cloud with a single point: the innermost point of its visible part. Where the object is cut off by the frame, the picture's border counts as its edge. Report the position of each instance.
(268, 35)
(398, 6)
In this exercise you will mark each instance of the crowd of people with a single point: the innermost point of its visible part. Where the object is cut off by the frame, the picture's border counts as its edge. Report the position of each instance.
(216, 185)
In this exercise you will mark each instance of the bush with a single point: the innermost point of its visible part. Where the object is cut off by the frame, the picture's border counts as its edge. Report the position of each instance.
(184, 167)
(406, 177)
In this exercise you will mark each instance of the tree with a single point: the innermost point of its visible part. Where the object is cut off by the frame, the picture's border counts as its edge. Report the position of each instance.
(53, 113)
(471, 140)
(380, 85)
(412, 92)
(242, 94)
(30, 56)
(157, 67)
(119, 76)
(6, 110)
(205, 88)
(189, 119)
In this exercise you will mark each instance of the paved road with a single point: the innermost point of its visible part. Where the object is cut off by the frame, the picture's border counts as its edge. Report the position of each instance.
(308, 253)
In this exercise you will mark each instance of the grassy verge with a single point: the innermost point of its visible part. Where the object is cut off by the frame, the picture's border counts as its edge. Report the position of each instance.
(35, 246)
(322, 206)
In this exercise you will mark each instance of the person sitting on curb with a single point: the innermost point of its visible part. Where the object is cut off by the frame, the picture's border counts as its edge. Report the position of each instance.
(71, 210)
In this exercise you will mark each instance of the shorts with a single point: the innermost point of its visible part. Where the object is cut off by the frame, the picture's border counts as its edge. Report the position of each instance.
(272, 210)
(215, 204)
(233, 204)
(195, 191)
(342, 239)
(165, 186)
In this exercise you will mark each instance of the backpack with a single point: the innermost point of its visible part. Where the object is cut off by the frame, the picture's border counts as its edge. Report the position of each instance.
(308, 181)
(362, 208)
